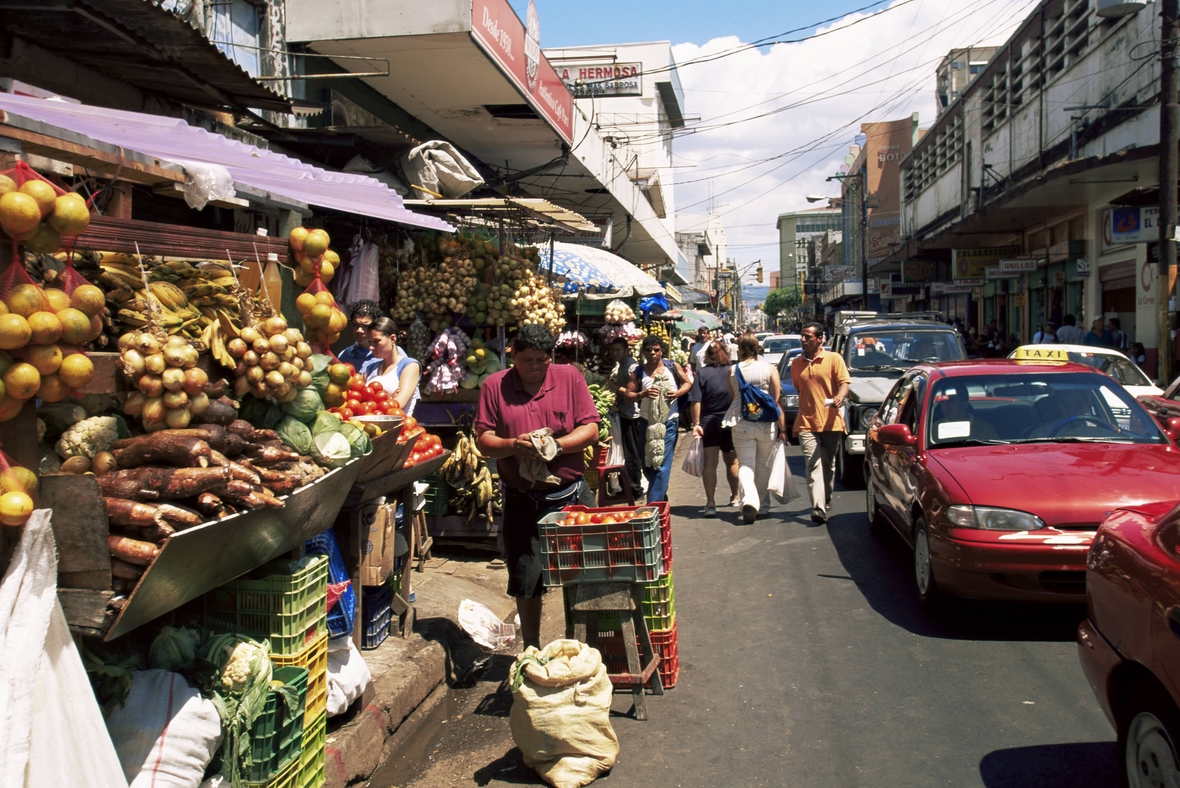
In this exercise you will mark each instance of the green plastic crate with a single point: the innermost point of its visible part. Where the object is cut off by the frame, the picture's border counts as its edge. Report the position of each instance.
(312, 759)
(438, 496)
(288, 609)
(287, 777)
(277, 734)
(659, 608)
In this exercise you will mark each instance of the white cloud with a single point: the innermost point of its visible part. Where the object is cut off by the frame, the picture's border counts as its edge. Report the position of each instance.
(881, 69)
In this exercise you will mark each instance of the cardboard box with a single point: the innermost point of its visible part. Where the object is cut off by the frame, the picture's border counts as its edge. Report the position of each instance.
(378, 528)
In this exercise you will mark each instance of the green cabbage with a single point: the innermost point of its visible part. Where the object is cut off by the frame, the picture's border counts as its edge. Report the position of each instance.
(324, 422)
(262, 413)
(361, 445)
(295, 434)
(331, 449)
(173, 649)
(319, 372)
(305, 406)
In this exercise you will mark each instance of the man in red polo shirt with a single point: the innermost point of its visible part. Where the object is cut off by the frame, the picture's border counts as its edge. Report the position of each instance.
(531, 395)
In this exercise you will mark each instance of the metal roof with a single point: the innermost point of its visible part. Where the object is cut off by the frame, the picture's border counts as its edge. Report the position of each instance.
(137, 42)
(540, 209)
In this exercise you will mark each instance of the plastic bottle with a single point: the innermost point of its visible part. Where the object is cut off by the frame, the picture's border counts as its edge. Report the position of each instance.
(273, 280)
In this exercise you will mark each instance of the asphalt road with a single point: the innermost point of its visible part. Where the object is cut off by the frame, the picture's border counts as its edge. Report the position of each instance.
(805, 661)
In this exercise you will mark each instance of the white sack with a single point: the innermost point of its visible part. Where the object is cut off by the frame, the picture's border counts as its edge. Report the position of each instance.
(560, 716)
(439, 167)
(166, 733)
(53, 732)
(348, 675)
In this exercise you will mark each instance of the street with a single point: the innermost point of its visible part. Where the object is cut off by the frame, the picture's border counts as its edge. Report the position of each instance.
(805, 660)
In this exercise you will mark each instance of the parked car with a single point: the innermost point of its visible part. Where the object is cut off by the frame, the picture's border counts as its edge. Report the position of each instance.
(788, 398)
(1129, 645)
(1164, 405)
(997, 473)
(1112, 362)
(878, 349)
(775, 346)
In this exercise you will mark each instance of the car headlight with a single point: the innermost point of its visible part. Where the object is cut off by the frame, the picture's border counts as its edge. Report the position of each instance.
(990, 518)
(792, 400)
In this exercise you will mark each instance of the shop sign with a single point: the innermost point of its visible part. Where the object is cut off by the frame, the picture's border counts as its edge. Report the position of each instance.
(498, 31)
(1019, 265)
(900, 288)
(592, 80)
(996, 272)
(1083, 267)
(839, 273)
(1148, 280)
(917, 271)
(1058, 278)
(1131, 225)
(947, 288)
(1020, 300)
(973, 263)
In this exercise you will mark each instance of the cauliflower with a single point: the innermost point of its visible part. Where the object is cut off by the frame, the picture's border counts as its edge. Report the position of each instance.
(241, 661)
(88, 437)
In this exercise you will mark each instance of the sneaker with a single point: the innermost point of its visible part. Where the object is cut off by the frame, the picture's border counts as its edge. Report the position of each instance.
(733, 504)
(710, 511)
(749, 513)
(819, 517)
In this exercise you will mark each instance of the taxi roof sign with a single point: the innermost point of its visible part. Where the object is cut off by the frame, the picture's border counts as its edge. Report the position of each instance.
(1032, 353)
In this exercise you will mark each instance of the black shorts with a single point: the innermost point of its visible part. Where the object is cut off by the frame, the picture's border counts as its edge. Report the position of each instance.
(717, 436)
(522, 536)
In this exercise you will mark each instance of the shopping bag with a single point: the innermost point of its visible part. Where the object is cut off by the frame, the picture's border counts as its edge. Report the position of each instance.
(694, 461)
(614, 452)
(782, 485)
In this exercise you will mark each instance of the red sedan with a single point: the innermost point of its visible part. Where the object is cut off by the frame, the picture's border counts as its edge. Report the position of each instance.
(998, 472)
(1130, 644)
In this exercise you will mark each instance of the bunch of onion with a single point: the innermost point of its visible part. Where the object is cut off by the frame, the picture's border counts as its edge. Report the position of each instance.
(538, 303)
(272, 360)
(435, 292)
(169, 387)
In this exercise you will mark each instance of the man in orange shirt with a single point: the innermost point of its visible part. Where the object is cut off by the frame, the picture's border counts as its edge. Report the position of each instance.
(822, 381)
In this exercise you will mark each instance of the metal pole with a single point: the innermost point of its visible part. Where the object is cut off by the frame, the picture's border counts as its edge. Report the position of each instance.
(1169, 174)
(864, 237)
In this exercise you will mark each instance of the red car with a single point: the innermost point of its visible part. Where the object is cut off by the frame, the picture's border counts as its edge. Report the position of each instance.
(998, 472)
(1130, 644)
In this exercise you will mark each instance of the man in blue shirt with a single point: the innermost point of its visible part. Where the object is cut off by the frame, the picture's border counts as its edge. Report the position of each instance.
(1098, 335)
(359, 354)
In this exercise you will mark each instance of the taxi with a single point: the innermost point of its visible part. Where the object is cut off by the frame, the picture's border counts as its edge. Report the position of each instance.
(997, 472)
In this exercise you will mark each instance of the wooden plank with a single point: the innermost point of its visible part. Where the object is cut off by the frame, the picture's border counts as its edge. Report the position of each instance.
(91, 158)
(79, 527)
(86, 611)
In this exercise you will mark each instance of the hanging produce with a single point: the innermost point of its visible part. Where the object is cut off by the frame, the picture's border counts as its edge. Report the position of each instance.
(271, 360)
(445, 371)
(466, 471)
(618, 313)
(480, 364)
(163, 370)
(311, 252)
(37, 212)
(17, 486)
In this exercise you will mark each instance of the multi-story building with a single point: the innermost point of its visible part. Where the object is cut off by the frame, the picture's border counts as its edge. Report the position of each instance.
(702, 242)
(795, 232)
(956, 71)
(1034, 195)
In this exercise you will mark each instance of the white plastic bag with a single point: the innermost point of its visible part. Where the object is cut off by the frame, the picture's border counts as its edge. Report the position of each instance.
(694, 461)
(348, 675)
(204, 183)
(560, 716)
(53, 732)
(360, 276)
(782, 485)
(484, 627)
(614, 451)
(439, 167)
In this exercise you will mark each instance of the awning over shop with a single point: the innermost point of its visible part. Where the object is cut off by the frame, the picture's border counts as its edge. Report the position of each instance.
(627, 278)
(538, 212)
(257, 173)
(700, 318)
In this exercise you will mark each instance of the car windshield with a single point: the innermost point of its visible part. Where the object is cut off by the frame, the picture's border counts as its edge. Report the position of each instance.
(1118, 367)
(1041, 407)
(901, 348)
(780, 344)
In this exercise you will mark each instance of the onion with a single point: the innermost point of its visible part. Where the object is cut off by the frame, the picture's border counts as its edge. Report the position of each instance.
(274, 379)
(296, 362)
(148, 344)
(173, 379)
(288, 395)
(303, 350)
(133, 364)
(255, 374)
(103, 462)
(155, 363)
(304, 379)
(175, 355)
(127, 341)
(236, 347)
(286, 370)
(249, 335)
(178, 419)
(154, 411)
(293, 336)
(241, 386)
(195, 381)
(261, 346)
(199, 403)
(191, 357)
(275, 325)
(175, 399)
(151, 385)
(250, 358)
(278, 343)
(134, 404)
(269, 362)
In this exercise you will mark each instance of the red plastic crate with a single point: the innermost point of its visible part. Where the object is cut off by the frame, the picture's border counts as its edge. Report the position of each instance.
(665, 644)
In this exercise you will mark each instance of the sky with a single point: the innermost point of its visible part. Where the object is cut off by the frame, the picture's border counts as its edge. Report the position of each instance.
(775, 120)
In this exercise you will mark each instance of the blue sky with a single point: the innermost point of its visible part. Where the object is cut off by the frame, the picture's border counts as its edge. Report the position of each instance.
(565, 23)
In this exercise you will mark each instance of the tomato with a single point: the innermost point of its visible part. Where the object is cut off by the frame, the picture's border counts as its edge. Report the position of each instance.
(609, 519)
(346, 413)
(596, 518)
(375, 386)
(365, 409)
(380, 395)
(582, 518)
(351, 369)
(356, 380)
(358, 392)
(395, 410)
(352, 402)
(410, 425)
(415, 458)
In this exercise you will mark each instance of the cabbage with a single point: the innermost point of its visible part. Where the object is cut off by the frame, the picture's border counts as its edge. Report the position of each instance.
(262, 413)
(331, 449)
(324, 422)
(305, 406)
(361, 445)
(319, 372)
(173, 649)
(295, 434)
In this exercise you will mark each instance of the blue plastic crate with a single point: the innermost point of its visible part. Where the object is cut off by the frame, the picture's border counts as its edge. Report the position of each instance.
(341, 615)
(376, 613)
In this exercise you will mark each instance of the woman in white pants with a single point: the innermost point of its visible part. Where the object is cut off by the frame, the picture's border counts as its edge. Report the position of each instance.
(754, 441)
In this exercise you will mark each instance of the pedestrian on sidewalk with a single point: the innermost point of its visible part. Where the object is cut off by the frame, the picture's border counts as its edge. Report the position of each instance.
(822, 380)
(663, 382)
(529, 396)
(625, 385)
(711, 398)
(753, 441)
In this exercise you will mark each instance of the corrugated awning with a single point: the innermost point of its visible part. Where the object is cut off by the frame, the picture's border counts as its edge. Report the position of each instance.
(542, 211)
(137, 42)
(256, 172)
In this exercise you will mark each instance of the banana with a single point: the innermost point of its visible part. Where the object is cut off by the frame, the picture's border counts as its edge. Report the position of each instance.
(169, 294)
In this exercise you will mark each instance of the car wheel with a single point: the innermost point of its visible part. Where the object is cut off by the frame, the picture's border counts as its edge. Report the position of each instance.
(850, 469)
(1148, 726)
(876, 519)
(929, 594)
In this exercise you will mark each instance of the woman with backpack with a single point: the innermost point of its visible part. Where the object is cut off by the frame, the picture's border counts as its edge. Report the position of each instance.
(662, 382)
(757, 421)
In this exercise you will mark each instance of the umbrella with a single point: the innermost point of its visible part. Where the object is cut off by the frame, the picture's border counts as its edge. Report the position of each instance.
(600, 268)
(579, 273)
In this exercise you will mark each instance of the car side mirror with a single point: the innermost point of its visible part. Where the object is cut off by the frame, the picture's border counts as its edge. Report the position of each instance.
(1173, 429)
(898, 435)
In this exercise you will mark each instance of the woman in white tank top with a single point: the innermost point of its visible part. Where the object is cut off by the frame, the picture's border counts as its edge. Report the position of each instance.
(754, 441)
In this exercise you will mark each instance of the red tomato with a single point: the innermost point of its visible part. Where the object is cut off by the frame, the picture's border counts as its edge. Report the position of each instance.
(375, 386)
(351, 369)
(358, 393)
(410, 425)
(415, 458)
(346, 413)
(596, 518)
(583, 518)
(380, 395)
(395, 410)
(609, 519)
(363, 409)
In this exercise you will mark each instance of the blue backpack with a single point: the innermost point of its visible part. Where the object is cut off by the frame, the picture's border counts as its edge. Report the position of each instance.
(757, 405)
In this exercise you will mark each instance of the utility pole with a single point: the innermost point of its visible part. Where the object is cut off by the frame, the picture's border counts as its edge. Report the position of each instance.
(864, 235)
(1169, 174)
